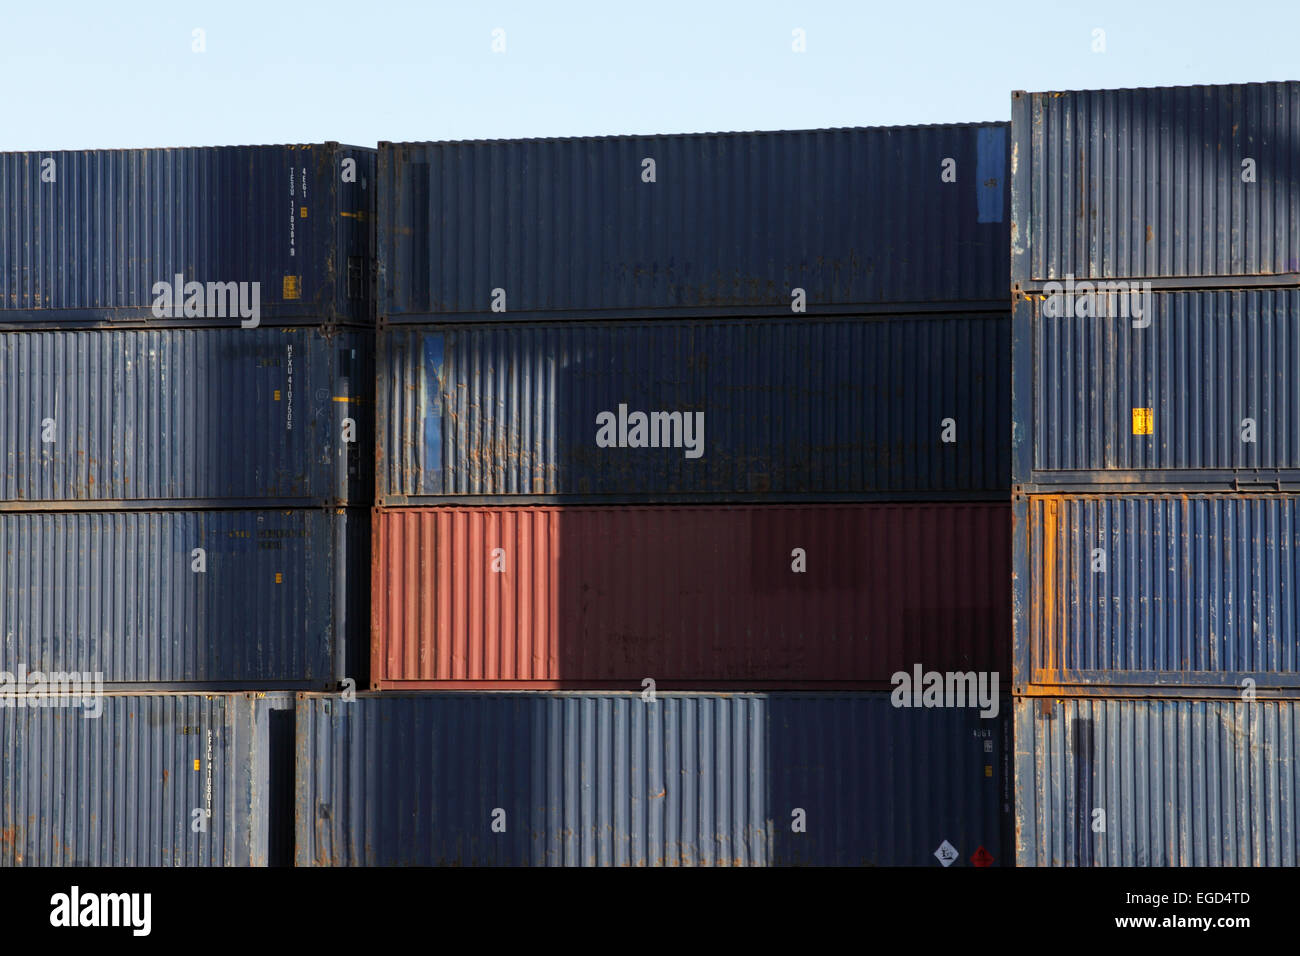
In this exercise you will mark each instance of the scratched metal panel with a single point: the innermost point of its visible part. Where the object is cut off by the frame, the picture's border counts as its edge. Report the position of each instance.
(802, 407)
(1147, 590)
(120, 781)
(1149, 182)
(276, 598)
(732, 221)
(699, 597)
(609, 780)
(218, 416)
(1219, 372)
(85, 235)
(1177, 782)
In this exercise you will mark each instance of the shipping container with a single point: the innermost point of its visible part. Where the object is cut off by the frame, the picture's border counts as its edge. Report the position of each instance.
(1190, 594)
(697, 597)
(1192, 187)
(221, 417)
(615, 780)
(1157, 782)
(87, 236)
(1200, 391)
(717, 223)
(145, 780)
(234, 599)
(729, 410)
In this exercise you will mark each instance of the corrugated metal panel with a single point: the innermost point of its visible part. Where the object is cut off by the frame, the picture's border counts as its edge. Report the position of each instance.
(1217, 370)
(125, 787)
(610, 780)
(1163, 589)
(692, 596)
(731, 221)
(1149, 182)
(1177, 783)
(224, 416)
(819, 407)
(281, 600)
(84, 236)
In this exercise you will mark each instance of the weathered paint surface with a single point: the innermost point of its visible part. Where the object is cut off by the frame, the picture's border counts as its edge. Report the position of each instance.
(216, 416)
(191, 597)
(816, 407)
(1116, 782)
(731, 221)
(85, 235)
(1160, 590)
(1214, 373)
(126, 786)
(1193, 181)
(697, 597)
(611, 780)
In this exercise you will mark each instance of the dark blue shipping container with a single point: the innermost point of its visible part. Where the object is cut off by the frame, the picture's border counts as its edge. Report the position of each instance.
(1201, 390)
(216, 417)
(146, 780)
(705, 224)
(554, 779)
(780, 409)
(1173, 594)
(86, 235)
(195, 598)
(1194, 186)
(1157, 782)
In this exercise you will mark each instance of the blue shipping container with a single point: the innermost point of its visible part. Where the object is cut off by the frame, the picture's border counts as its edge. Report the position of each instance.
(734, 410)
(218, 416)
(555, 779)
(1201, 390)
(719, 223)
(195, 598)
(1190, 594)
(1157, 782)
(145, 780)
(85, 236)
(1181, 184)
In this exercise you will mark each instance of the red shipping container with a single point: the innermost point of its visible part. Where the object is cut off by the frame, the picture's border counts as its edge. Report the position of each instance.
(594, 597)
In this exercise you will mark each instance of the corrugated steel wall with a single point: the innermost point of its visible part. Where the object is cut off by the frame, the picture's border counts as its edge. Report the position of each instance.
(87, 245)
(1150, 182)
(222, 416)
(611, 780)
(281, 602)
(1217, 370)
(1173, 589)
(125, 786)
(806, 407)
(731, 222)
(699, 596)
(1157, 782)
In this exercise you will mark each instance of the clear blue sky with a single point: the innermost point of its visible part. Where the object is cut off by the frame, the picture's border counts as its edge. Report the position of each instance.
(94, 74)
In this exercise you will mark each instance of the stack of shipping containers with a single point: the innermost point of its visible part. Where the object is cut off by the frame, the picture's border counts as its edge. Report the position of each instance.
(1156, 263)
(184, 371)
(686, 445)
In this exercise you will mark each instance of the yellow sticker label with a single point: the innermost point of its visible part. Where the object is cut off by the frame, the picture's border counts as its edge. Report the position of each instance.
(277, 394)
(291, 287)
(302, 213)
(1142, 420)
(196, 763)
(278, 578)
(988, 770)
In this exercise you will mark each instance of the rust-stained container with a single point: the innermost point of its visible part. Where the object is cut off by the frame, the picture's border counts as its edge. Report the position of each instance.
(1176, 594)
(691, 597)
